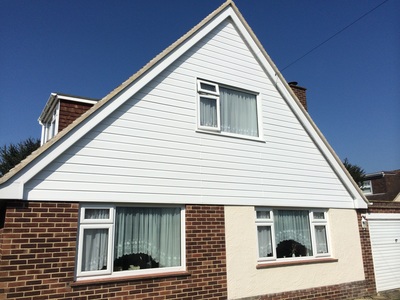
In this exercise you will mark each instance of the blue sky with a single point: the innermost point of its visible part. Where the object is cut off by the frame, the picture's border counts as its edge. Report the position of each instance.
(88, 48)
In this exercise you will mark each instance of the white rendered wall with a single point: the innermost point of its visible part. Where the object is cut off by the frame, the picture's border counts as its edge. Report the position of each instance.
(244, 280)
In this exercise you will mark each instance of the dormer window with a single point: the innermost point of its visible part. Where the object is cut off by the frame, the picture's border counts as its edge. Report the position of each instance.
(60, 111)
(228, 110)
(50, 128)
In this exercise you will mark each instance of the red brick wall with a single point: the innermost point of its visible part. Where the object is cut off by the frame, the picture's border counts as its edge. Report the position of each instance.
(70, 111)
(300, 92)
(386, 187)
(38, 249)
(376, 207)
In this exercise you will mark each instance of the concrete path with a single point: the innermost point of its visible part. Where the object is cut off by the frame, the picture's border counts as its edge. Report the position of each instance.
(390, 295)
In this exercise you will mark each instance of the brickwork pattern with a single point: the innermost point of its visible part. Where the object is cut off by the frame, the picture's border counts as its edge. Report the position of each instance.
(300, 92)
(386, 187)
(70, 111)
(377, 207)
(38, 249)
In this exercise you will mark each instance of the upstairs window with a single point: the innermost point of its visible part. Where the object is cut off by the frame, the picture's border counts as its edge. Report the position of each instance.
(227, 110)
(291, 234)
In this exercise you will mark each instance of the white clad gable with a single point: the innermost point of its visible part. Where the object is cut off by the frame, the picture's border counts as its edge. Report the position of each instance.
(148, 149)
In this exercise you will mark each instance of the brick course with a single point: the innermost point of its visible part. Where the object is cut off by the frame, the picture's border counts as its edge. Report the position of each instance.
(38, 250)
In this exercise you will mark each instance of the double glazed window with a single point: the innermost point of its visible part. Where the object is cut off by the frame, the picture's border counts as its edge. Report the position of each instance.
(223, 109)
(115, 241)
(288, 234)
(367, 187)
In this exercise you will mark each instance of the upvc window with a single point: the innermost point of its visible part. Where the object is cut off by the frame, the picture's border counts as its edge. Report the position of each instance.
(291, 234)
(227, 110)
(367, 187)
(129, 240)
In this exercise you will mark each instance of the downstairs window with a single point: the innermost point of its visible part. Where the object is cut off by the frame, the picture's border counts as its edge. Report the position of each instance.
(127, 240)
(291, 234)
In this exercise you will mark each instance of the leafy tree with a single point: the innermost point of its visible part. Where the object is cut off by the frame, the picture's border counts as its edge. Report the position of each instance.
(355, 171)
(11, 155)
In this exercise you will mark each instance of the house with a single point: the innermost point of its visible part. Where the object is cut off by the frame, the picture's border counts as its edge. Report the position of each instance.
(200, 177)
(384, 185)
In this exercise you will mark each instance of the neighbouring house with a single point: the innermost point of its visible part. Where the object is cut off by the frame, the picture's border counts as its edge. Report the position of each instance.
(384, 185)
(200, 177)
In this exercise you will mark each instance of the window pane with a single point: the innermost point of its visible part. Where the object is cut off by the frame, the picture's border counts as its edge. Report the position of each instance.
(263, 214)
(292, 233)
(94, 213)
(318, 215)
(320, 237)
(238, 112)
(208, 87)
(264, 241)
(95, 249)
(366, 187)
(147, 238)
(208, 112)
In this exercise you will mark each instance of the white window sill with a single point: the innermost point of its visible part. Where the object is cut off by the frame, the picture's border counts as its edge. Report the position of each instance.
(106, 280)
(232, 135)
(276, 264)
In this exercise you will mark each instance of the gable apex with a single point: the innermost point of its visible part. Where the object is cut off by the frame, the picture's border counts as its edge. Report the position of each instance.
(110, 103)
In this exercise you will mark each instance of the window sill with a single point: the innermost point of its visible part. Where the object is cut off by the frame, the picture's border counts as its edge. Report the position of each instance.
(277, 264)
(84, 282)
(231, 135)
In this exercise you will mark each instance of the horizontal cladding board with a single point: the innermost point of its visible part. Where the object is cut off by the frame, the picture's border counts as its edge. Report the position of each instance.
(183, 187)
(196, 156)
(119, 167)
(223, 62)
(193, 179)
(150, 133)
(218, 55)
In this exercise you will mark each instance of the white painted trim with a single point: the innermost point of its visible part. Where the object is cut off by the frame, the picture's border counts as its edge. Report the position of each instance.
(381, 216)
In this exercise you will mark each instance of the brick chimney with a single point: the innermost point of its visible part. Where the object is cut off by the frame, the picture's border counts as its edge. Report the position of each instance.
(300, 92)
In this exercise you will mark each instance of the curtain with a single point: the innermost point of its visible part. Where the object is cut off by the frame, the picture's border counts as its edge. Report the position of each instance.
(264, 241)
(238, 112)
(320, 237)
(293, 225)
(208, 112)
(152, 231)
(95, 242)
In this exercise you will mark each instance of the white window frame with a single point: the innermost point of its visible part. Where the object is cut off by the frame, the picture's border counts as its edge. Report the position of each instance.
(201, 92)
(367, 184)
(110, 225)
(314, 222)
(50, 128)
